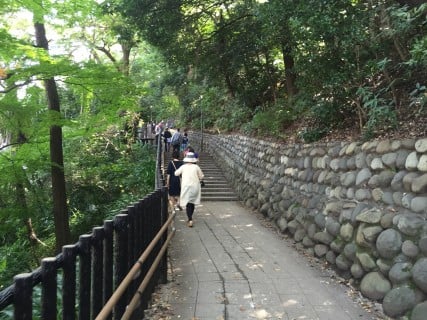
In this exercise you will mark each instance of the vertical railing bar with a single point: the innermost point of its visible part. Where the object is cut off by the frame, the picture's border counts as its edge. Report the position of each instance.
(120, 256)
(85, 276)
(108, 261)
(97, 270)
(69, 282)
(23, 299)
(49, 288)
(164, 217)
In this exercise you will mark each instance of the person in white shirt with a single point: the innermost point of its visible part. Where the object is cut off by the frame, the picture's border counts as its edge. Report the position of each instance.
(191, 177)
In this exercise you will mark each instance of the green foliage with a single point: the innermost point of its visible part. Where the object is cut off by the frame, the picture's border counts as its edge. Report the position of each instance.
(380, 112)
(17, 257)
(418, 98)
(251, 50)
(105, 172)
(105, 169)
(271, 121)
(309, 135)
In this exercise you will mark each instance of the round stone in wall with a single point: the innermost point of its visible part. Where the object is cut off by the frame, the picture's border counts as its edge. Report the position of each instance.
(357, 271)
(421, 145)
(384, 265)
(363, 176)
(419, 184)
(410, 224)
(422, 164)
(411, 161)
(419, 204)
(384, 146)
(282, 224)
(342, 262)
(389, 159)
(377, 164)
(420, 311)
(398, 301)
(346, 231)
(371, 216)
(375, 286)
(331, 257)
(419, 274)
(366, 261)
(389, 243)
(400, 273)
(409, 249)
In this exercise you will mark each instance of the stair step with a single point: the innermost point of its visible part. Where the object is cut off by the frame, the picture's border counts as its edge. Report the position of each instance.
(217, 187)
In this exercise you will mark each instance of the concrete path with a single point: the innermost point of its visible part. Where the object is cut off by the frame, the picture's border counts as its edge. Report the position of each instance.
(231, 266)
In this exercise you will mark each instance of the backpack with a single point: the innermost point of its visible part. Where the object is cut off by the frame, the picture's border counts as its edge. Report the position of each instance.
(176, 138)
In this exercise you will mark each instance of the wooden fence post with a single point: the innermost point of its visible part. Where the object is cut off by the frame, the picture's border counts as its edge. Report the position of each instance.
(108, 262)
(121, 222)
(85, 276)
(145, 240)
(23, 298)
(131, 236)
(69, 282)
(163, 267)
(49, 280)
(97, 269)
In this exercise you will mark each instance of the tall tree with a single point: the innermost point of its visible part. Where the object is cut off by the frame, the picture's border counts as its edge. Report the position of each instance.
(60, 211)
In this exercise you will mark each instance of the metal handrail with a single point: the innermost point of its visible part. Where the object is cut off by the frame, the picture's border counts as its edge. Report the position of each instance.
(135, 299)
(108, 307)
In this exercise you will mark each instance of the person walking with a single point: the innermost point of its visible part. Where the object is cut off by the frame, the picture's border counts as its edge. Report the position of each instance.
(167, 135)
(173, 182)
(158, 131)
(176, 140)
(184, 143)
(191, 192)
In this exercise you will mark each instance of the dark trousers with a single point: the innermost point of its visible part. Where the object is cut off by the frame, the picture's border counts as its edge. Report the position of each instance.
(190, 210)
(176, 147)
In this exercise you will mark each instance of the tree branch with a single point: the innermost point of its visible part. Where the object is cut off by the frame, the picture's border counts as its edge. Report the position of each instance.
(107, 53)
(15, 86)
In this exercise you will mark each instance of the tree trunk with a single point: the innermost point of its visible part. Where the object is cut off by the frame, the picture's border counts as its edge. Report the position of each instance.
(60, 211)
(126, 49)
(290, 75)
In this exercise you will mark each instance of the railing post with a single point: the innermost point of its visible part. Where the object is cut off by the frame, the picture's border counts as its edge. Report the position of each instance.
(131, 236)
(163, 267)
(69, 282)
(138, 227)
(85, 277)
(48, 273)
(97, 269)
(23, 299)
(120, 259)
(145, 240)
(108, 262)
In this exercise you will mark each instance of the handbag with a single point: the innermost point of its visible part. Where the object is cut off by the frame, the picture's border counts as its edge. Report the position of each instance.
(173, 163)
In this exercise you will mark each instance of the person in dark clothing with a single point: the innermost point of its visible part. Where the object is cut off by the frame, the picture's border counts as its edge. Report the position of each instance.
(167, 135)
(176, 140)
(173, 182)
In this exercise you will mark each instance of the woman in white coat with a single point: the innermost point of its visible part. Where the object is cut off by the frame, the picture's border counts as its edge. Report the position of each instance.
(191, 192)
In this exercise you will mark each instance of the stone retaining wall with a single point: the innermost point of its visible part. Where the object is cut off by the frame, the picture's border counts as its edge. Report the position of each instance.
(360, 206)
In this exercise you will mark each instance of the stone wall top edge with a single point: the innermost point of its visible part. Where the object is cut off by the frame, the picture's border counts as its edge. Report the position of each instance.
(370, 145)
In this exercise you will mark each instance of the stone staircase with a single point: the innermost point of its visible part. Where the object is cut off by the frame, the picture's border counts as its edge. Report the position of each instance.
(216, 186)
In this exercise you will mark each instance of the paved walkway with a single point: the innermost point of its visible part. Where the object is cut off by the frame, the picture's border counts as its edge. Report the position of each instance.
(230, 266)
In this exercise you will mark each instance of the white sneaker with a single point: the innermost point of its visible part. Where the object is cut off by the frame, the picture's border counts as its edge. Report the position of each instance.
(190, 223)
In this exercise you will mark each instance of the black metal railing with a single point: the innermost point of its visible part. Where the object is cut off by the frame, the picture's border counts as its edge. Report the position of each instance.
(80, 281)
